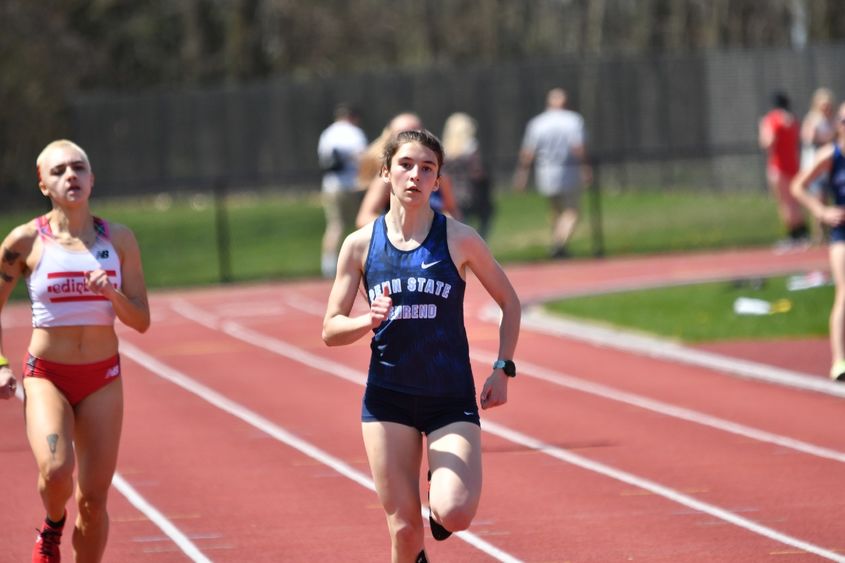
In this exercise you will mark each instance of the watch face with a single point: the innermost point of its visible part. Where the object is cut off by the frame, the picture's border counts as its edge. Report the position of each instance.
(507, 366)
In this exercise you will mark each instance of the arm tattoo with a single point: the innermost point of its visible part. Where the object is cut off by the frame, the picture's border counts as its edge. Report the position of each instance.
(52, 441)
(10, 256)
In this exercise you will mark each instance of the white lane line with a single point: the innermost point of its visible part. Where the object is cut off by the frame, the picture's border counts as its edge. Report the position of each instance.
(250, 310)
(658, 489)
(159, 519)
(239, 411)
(604, 391)
(151, 512)
(569, 381)
(272, 429)
(306, 305)
(534, 319)
(250, 336)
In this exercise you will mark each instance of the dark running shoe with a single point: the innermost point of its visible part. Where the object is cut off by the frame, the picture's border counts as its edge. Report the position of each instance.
(837, 371)
(438, 532)
(560, 253)
(47, 542)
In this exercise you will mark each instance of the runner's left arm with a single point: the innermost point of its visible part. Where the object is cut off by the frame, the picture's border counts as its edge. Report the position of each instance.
(130, 300)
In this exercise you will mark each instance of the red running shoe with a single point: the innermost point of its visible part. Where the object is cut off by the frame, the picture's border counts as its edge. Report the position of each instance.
(47, 542)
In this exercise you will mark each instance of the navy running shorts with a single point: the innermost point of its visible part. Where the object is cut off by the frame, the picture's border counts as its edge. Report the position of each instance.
(426, 414)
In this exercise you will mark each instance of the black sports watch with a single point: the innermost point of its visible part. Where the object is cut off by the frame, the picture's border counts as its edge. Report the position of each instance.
(507, 366)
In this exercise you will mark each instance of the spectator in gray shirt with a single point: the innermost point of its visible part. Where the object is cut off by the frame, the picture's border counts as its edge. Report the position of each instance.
(554, 142)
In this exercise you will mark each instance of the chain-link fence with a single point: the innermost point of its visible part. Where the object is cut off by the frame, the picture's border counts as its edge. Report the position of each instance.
(682, 121)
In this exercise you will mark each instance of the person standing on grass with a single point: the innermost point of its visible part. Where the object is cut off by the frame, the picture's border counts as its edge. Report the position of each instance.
(830, 161)
(817, 130)
(554, 142)
(413, 263)
(81, 272)
(779, 136)
(338, 150)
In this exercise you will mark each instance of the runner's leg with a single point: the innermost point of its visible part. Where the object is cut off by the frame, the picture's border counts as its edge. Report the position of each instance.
(395, 453)
(99, 419)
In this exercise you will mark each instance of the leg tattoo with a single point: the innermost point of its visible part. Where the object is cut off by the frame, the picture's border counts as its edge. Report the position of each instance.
(52, 441)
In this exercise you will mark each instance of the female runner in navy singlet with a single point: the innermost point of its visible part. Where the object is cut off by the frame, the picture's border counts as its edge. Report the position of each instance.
(830, 161)
(413, 263)
(81, 272)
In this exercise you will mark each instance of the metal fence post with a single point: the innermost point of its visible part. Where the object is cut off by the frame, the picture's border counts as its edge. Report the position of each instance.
(595, 211)
(221, 223)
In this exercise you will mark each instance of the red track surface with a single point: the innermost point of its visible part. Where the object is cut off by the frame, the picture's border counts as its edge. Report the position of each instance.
(590, 476)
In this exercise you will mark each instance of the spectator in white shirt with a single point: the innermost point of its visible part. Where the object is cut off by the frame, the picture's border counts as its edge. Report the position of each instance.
(339, 149)
(555, 143)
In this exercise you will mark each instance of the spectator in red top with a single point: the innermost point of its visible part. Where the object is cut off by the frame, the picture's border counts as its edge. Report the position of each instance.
(779, 134)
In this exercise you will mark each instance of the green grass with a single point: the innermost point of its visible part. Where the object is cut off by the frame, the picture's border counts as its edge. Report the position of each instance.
(274, 237)
(278, 236)
(639, 223)
(704, 313)
(269, 238)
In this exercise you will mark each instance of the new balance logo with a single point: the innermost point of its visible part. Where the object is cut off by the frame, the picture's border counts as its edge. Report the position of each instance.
(103, 254)
(427, 265)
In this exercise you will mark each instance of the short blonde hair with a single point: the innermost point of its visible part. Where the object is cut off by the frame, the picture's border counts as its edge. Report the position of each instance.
(59, 143)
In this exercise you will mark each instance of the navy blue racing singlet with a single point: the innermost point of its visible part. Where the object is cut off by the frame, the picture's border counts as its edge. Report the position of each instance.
(836, 178)
(836, 185)
(421, 348)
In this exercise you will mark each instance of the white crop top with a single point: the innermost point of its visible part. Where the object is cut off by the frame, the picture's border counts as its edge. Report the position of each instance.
(57, 285)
